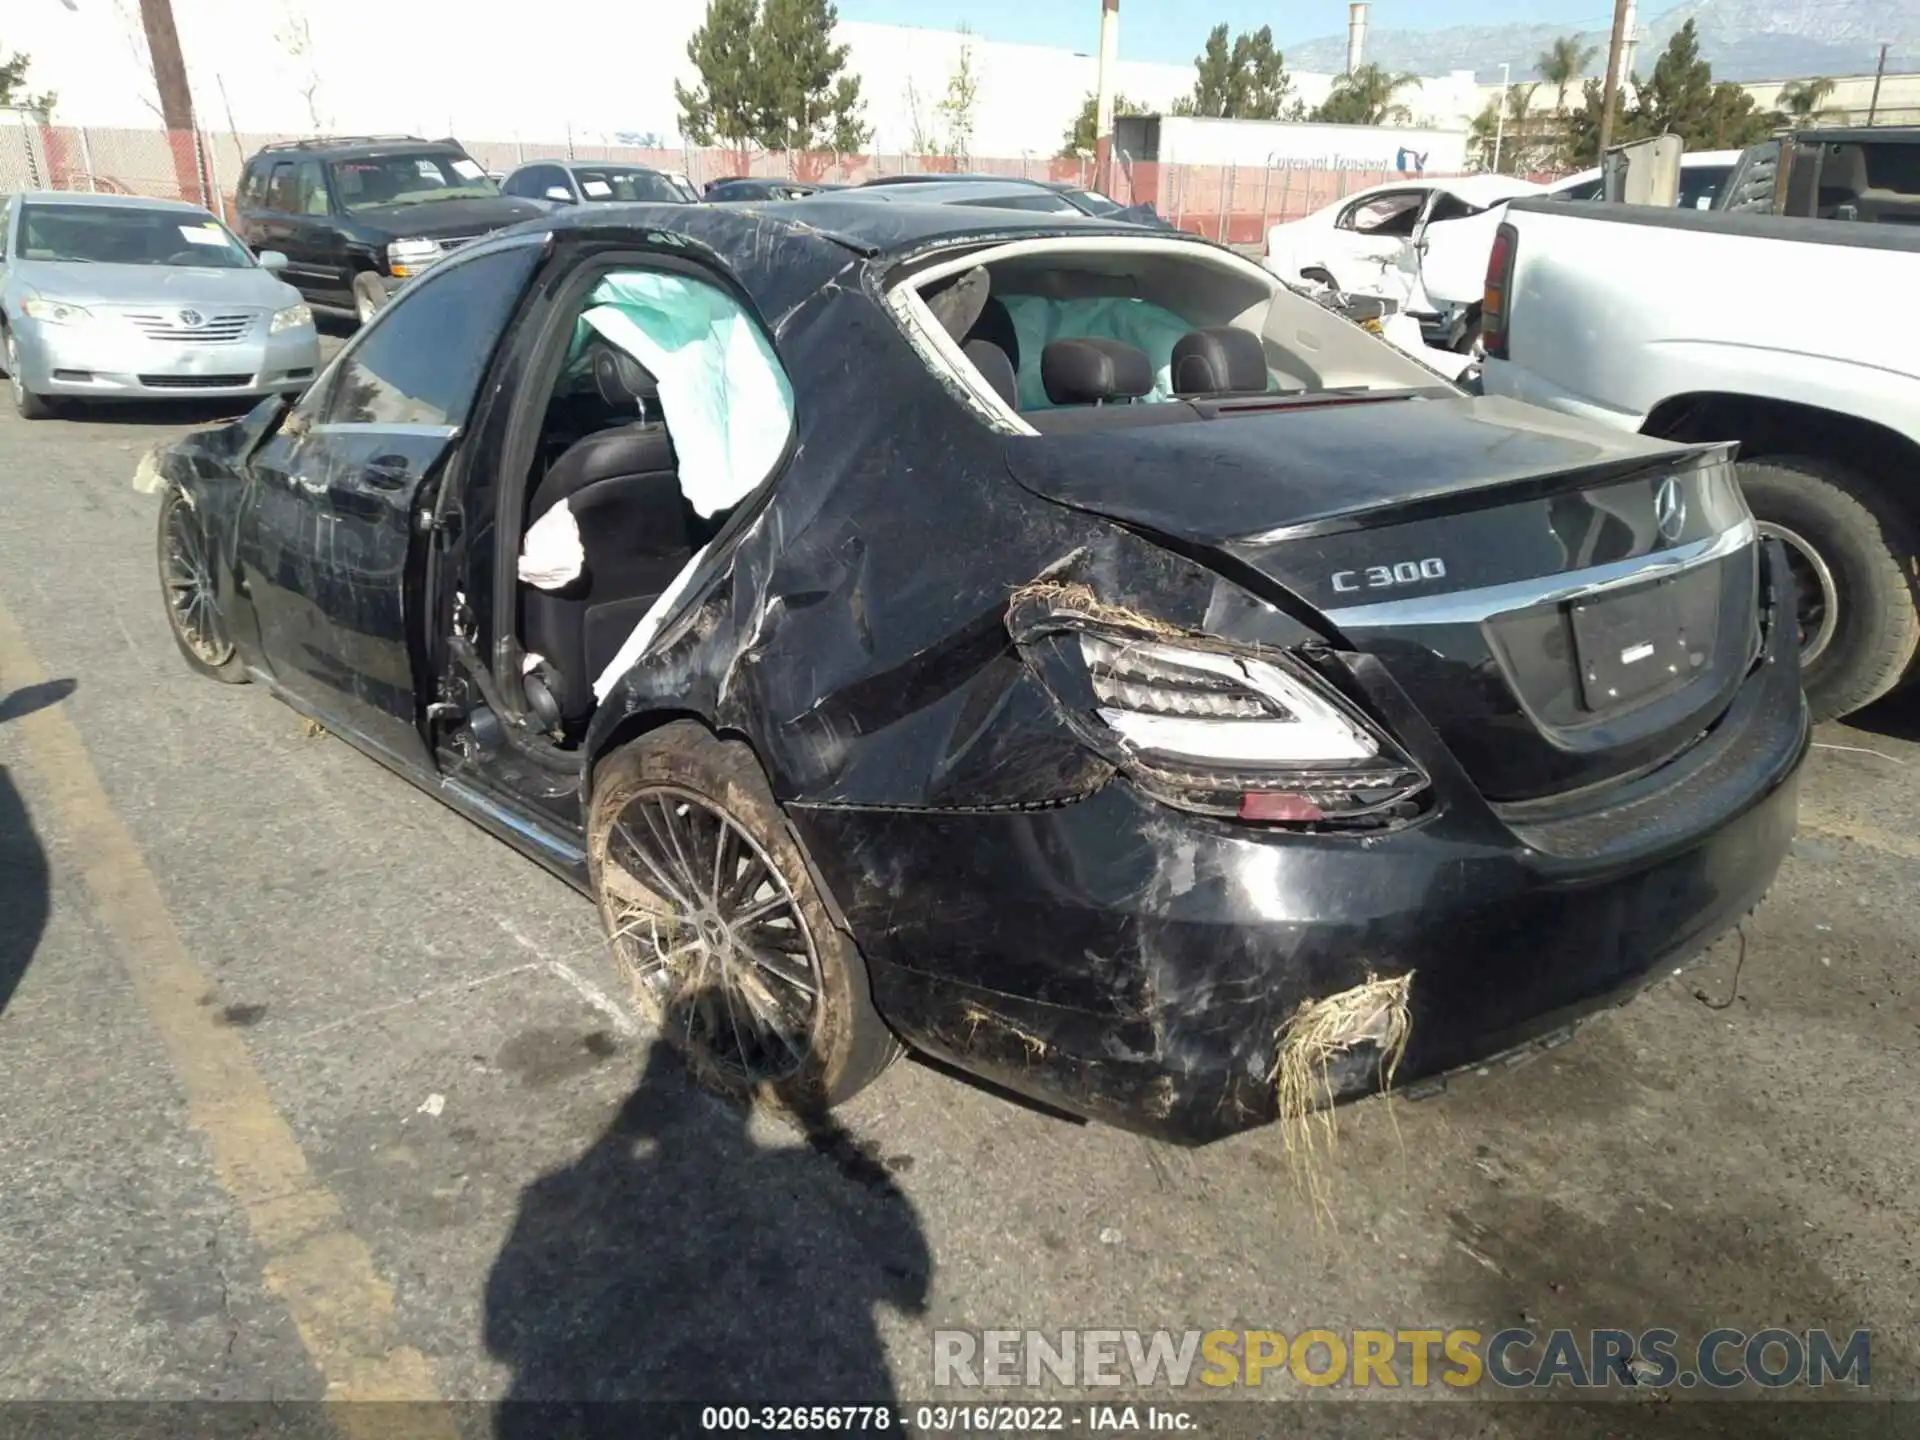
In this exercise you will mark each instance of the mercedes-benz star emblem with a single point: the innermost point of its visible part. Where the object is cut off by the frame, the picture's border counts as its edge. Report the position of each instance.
(1670, 509)
(192, 319)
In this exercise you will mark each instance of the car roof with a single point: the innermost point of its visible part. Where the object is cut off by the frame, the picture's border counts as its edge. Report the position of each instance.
(112, 202)
(937, 192)
(362, 148)
(784, 251)
(1693, 160)
(934, 177)
(1486, 190)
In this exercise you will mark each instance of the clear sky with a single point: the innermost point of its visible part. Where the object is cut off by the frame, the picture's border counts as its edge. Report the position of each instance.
(1174, 30)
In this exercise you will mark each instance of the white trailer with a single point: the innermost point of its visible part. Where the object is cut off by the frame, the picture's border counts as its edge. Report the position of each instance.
(1193, 140)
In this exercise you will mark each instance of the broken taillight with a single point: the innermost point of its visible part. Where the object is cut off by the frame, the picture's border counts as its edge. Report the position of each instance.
(1257, 736)
(1496, 302)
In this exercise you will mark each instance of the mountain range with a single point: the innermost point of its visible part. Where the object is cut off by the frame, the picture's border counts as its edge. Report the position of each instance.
(1740, 39)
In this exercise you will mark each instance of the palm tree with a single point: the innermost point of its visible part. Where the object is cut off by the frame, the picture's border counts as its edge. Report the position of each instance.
(1365, 97)
(1803, 102)
(1509, 138)
(1562, 63)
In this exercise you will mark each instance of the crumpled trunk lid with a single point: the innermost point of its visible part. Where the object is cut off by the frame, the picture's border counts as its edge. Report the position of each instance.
(1565, 605)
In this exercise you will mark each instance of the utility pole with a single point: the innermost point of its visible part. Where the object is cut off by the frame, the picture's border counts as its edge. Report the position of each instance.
(1500, 119)
(1611, 94)
(1103, 105)
(176, 99)
(1873, 105)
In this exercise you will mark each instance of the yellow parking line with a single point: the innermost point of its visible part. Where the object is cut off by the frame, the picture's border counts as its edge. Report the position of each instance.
(323, 1272)
(1860, 833)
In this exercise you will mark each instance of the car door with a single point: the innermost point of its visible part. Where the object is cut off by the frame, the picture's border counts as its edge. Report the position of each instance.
(320, 244)
(276, 226)
(1374, 229)
(331, 534)
(1446, 260)
(548, 181)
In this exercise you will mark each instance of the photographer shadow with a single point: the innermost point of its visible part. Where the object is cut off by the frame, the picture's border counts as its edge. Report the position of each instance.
(678, 1260)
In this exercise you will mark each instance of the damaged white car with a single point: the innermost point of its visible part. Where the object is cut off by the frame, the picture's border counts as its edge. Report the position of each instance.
(1420, 244)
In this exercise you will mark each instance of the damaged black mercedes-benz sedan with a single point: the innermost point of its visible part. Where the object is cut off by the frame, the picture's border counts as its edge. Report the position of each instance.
(1056, 648)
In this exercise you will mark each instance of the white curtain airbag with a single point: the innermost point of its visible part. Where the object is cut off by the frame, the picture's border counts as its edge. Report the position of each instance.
(726, 401)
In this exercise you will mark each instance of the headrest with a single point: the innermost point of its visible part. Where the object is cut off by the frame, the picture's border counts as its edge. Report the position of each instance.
(622, 380)
(996, 326)
(992, 363)
(1088, 372)
(1223, 361)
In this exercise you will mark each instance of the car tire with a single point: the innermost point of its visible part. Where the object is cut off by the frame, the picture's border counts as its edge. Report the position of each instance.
(369, 296)
(696, 969)
(1852, 557)
(187, 591)
(28, 405)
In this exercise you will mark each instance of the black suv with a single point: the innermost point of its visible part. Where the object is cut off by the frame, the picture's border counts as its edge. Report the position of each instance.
(356, 216)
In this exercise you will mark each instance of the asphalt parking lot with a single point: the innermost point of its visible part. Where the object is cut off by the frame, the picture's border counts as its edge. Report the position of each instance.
(313, 1090)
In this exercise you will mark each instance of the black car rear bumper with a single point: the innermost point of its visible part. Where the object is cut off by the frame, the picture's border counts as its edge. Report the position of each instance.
(1135, 964)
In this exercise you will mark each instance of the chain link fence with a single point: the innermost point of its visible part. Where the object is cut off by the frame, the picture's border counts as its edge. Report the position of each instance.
(1231, 204)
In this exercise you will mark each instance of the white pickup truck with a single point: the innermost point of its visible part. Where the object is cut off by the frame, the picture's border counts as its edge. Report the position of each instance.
(1794, 337)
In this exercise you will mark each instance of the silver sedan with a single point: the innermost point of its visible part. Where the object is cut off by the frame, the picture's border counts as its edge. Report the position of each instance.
(108, 297)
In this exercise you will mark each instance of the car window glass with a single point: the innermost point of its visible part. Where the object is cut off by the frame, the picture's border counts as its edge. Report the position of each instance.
(1450, 207)
(611, 186)
(1394, 214)
(253, 186)
(310, 188)
(128, 235)
(6, 225)
(519, 183)
(1894, 169)
(1046, 202)
(408, 180)
(281, 189)
(422, 360)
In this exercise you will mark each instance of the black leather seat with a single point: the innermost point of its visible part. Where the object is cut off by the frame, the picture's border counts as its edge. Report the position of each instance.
(636, 528)
(1225, 360)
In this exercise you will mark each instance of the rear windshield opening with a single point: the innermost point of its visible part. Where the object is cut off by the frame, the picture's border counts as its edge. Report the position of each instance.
(1070, 334)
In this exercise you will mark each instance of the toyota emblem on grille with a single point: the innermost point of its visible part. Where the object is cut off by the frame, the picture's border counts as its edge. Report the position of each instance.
(1670, 509)
(192, 319)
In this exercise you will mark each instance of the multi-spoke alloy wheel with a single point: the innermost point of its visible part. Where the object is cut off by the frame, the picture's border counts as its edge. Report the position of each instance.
(186, 583)
(712, 934)
(717, 917)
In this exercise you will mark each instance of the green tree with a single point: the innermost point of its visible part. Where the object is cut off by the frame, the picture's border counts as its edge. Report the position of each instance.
(1681, 98)
(726, 105)
(770, 75)
(1562, 63)
(1804, 102)
(962, 101)
(13, 86)
(1245, 80)
(807, 100)
(1080, 138)
(1366, 97)
(1512, 139)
